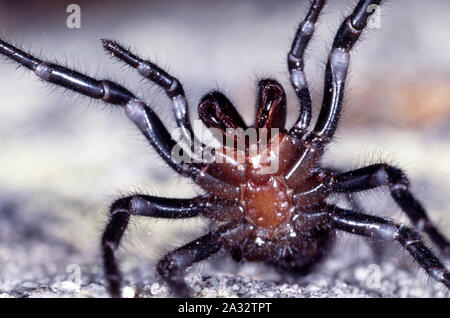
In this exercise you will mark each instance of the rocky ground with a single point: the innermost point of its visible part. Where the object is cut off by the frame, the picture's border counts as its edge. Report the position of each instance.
(46, 255)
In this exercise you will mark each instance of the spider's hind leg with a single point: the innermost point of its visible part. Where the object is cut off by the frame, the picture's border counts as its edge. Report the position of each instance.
(384, 175)
(386, 230)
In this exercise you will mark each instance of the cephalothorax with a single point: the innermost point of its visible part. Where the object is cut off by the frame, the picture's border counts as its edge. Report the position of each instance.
(276, 216)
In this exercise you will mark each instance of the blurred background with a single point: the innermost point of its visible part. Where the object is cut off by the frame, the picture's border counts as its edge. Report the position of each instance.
(65, 158)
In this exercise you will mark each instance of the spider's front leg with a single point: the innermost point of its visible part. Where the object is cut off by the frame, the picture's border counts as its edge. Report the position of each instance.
(333, 94)
(386, 230)
(296, 66)
(136, 110)
(337, 66)
(170, 84)
(158, 207)
(384, 175)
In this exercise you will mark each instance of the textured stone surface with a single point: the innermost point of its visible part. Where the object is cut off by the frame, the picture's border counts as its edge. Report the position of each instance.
(45, 255)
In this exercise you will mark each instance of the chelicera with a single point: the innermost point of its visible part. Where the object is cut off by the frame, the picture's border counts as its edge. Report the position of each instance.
(279, 217)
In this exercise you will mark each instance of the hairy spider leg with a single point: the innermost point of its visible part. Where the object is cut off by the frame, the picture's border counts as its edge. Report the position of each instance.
(141, 114)
(173, 265)
(356, 205)
(151, 206)
(386, 230)
(335, 76)
(337, 66)
(149, 70)
(384, 175)
(170, 84)
(296, 65)
(136, 110)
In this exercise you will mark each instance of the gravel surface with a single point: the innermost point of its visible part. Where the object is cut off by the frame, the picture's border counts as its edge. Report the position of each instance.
(59, 258)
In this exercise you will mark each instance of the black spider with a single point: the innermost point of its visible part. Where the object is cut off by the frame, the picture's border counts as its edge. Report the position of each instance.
(278, 217)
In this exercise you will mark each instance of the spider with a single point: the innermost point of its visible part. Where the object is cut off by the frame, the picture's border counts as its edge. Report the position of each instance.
(279, 217)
